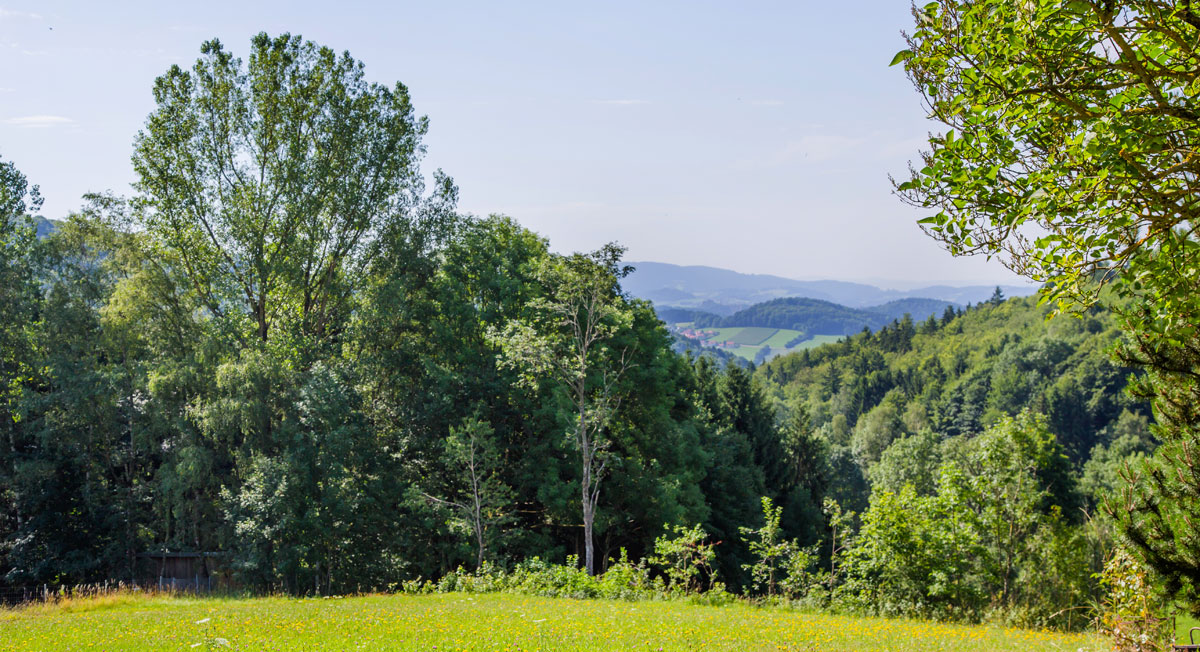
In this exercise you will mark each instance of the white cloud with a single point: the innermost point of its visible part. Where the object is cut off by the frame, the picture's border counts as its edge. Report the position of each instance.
(8, 13)
(39, 121)
(622, 102)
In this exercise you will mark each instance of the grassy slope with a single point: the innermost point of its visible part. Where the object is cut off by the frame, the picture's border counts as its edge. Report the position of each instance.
(751, 338)
(754, 335)
(485, 622)
(1183, 625)
(815, 341)
(781, 337)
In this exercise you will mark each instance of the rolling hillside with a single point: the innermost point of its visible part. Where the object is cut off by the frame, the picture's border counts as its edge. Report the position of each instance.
(812, 316)
(769, 329)
(723, 291)
(919, 307)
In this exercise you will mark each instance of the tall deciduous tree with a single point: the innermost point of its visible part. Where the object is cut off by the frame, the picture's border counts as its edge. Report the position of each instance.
(18, 293)
(19, 302)
(277, 195)
(1073, 154)
(272, 181)
(569, 337)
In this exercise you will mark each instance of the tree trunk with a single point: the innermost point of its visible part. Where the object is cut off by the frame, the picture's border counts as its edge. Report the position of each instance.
(588, 517)
(479, 538)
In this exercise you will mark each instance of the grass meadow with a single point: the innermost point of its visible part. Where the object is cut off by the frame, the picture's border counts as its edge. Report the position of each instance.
(749, 339)
(815, 341)
(752, 335)
(458, 621)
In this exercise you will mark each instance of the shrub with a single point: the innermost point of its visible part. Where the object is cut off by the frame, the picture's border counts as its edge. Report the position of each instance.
(1130, 612)
(685, 558)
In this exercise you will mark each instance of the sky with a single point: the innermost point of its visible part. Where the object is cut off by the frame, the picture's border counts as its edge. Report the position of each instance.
(752, 136)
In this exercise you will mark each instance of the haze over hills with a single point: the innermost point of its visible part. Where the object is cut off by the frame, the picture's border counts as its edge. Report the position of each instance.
(723, 291)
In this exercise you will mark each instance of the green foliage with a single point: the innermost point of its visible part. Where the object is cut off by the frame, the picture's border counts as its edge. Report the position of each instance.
(686, 557)
(779, 563)
(1131, 614)
(475, 494)
(1077, 121)
(1054, 122)
(910, 460)
(572, 338)
(991, 540)
(1159, 499)
(20, 304)
(272, 184)
(1128, 443)
(875, 432)
(873, 390)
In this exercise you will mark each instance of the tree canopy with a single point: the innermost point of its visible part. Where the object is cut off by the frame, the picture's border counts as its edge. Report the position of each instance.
(274, 181)
(1072, 154)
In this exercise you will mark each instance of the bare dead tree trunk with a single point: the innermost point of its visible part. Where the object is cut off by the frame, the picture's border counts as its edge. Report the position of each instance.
(477, 504)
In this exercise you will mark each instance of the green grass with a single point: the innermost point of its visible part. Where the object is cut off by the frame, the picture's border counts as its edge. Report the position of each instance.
(723, 334)
(815, 341)
(460, 621)
(1183, 623)
(753, 335)
(781, 337)
(749, 339)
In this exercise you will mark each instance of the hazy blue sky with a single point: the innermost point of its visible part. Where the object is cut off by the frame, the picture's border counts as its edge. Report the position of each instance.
(753, 136)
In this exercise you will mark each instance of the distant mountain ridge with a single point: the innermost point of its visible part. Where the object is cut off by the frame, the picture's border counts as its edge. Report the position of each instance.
(45, 227)
(811, 316)
(724, 291)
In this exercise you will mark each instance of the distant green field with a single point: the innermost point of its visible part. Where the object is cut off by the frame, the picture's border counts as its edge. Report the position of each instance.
(457, 621)
(724, 334)
(815, 341)
(781, 337)
(753, 335)
(750, 339)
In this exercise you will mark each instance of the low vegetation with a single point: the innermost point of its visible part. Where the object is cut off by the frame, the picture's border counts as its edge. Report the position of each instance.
(487, 621)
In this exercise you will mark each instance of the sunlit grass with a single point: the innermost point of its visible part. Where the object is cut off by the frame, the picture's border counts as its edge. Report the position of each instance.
(484, 622)
(1183, 625)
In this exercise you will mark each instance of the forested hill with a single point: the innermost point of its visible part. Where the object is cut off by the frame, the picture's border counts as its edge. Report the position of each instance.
(890, 398)
(919, 308)
(809, 315)
(43, 227)
(812, 316)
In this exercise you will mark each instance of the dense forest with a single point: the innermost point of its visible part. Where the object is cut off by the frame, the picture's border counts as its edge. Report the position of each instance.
(290, 349)
(894, 399)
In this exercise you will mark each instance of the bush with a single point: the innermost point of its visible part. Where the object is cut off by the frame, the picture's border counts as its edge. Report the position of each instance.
(686, 559)
(1130, 612)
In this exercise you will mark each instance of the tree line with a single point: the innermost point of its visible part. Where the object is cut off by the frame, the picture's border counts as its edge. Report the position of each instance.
(287, 346)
